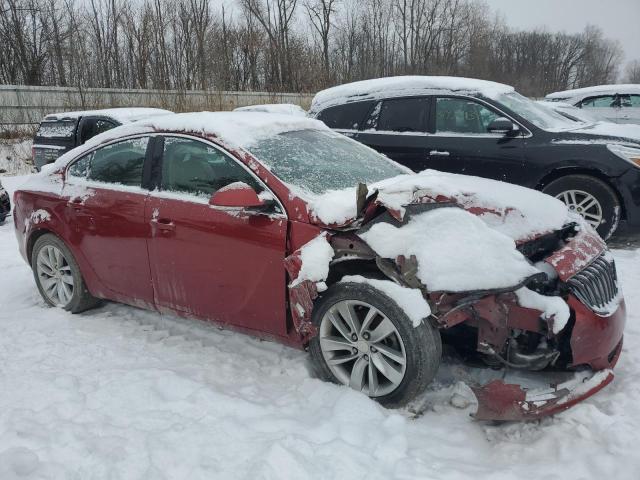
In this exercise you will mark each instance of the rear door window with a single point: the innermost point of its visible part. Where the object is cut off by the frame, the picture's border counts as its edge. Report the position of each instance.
(90, 127)
(119, 163)
(349, 116)
(403, 115)
(602, 101)
(632, 101)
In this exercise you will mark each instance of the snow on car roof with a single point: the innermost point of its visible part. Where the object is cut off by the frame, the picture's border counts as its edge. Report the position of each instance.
(404, 85)
(122, 115)
(282, 108)
(235, 129)
(580, 93)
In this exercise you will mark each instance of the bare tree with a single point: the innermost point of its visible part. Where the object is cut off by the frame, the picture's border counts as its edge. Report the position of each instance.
(632, 72)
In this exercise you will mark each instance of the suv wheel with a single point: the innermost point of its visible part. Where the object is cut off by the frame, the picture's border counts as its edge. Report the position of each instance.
(366, 341)
(58, 276)
(590, 197)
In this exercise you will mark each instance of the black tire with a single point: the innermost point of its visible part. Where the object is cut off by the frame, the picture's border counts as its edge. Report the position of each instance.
(422, 344)
(603, 193)
(81, 299)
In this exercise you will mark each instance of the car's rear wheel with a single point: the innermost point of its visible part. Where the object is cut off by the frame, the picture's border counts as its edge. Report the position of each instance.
(366, 341)
(591, 198)
(58, 276)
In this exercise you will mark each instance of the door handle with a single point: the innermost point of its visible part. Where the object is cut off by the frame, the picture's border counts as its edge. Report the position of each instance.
(163, 224)
(438, 153)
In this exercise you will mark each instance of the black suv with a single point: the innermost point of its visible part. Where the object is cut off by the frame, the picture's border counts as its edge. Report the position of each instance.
(60, 132)
(486, 129)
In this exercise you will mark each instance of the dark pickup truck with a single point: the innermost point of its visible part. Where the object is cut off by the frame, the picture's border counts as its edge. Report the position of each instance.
(60, 132)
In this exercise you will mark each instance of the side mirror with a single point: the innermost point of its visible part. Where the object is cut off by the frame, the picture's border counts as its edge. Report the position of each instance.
(236, 195)
(501, 125)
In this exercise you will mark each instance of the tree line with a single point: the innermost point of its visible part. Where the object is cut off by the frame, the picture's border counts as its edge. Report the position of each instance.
(286, 45)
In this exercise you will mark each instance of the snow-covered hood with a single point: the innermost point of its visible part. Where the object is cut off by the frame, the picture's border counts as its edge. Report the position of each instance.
(518, 212)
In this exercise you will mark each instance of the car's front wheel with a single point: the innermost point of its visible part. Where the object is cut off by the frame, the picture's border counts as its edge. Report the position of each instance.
(366, 341)
(591, 198)
(58, 276)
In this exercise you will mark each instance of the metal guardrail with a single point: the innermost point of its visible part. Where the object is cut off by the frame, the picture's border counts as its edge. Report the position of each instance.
(26, 105)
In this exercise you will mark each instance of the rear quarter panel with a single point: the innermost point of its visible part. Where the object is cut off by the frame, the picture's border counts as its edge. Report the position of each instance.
(40, 212)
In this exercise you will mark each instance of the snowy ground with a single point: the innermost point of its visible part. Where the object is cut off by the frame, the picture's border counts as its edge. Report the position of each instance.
(121, 393)
(15, 156)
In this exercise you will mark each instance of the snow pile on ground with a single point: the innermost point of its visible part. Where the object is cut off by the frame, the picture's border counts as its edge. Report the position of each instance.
(404, 86)
(15, 157)
(121, 393)
(281, 108)
(409, 299)
(455, 251)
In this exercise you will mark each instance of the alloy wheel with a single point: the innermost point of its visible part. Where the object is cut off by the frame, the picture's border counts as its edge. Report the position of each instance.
(54, 274)
(362, 348)
(584, 204)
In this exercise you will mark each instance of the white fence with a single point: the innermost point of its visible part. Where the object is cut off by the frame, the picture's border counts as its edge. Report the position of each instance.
(23, 106)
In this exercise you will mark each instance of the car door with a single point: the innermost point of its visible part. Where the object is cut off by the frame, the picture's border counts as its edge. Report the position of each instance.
(630, 109)
(397, 127)
(604, 106)
(461, 142)
(105, 207)
(89, 127)
(222, 264)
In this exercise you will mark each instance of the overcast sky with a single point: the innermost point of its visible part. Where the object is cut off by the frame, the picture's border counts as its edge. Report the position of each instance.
(618, 19)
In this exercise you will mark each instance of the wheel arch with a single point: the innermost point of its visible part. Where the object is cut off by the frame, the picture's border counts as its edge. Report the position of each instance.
(33, 238)
(560, 172)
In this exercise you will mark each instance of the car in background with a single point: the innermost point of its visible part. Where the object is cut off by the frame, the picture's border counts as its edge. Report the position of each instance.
(280, 108)
(279, 227)
(60, 132)
(5, 204)
(615, 103)
(482, 128)
(572, 113)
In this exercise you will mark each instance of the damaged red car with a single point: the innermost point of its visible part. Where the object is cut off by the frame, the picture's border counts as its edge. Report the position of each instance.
(276, 226)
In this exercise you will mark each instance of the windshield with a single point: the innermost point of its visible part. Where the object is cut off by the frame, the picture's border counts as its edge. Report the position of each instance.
(540, 116)
(318, 160)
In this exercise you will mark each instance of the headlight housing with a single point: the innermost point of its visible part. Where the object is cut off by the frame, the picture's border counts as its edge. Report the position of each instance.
(630, 154)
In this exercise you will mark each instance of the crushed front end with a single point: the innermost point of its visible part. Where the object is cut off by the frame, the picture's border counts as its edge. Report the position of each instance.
(543, 370)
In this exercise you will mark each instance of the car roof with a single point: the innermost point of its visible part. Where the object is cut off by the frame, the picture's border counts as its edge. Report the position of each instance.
(404, 86)
(579, 94)
(121, 115)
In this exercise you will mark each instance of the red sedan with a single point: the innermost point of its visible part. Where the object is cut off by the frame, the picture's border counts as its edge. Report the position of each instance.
(276, 226)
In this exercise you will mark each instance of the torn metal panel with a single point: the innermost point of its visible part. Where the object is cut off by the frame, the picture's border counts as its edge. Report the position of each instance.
(502, 401)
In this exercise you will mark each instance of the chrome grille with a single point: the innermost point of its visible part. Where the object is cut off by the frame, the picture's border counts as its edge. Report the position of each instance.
(596, 286)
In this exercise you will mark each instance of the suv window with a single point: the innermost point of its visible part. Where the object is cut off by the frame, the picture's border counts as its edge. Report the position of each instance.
(193, 167)
(604, 101)
(346, 117)
(119, 163)
(56, 129)
(461, 115)
(404, 115)
(90, 127)
(630, 101)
